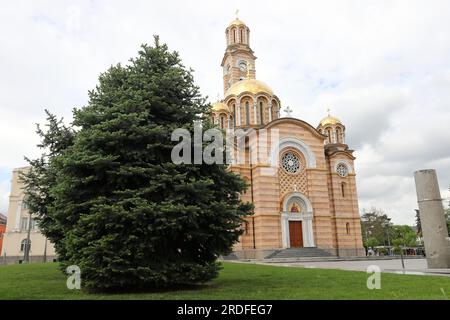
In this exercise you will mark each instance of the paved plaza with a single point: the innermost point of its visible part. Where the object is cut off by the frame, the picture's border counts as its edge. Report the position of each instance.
(412, 266)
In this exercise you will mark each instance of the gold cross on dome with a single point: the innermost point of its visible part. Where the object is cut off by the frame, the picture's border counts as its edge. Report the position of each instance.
(236, 13)
(328, 111)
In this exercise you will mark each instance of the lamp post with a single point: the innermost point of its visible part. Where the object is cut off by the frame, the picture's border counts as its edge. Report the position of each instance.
(26, 254)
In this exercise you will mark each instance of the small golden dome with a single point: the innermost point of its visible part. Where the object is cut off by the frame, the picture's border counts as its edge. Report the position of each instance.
(329, 120)
(236, 22)
(219, 106)
(249, 85)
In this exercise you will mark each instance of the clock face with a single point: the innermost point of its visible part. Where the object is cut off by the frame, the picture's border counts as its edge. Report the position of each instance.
(243, 66)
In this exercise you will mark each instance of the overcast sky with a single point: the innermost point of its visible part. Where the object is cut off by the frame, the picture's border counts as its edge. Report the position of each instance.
(383, 67)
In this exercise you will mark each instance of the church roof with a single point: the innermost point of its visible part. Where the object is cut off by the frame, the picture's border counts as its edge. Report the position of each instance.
(220, 106)
(329, 120)
(236, 22)
(249, 85)
(3, 219)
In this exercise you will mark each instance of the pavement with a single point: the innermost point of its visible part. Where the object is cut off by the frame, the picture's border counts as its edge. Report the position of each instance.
(412, 266)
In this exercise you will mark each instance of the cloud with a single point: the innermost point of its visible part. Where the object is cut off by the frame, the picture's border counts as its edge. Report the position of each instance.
(383, 68)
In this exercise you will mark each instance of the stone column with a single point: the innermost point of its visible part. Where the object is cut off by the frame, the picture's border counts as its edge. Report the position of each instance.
(238, 115)
(309, 230)
(434, 227)
(270, 111)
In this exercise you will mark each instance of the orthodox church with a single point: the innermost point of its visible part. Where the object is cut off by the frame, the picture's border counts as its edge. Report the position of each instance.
(310, 203)
(307, 205)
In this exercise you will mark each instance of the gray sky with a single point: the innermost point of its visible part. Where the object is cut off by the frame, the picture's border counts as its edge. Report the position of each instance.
(383, 67)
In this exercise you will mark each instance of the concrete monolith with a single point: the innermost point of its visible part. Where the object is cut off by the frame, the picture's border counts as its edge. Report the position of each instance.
(434, 227)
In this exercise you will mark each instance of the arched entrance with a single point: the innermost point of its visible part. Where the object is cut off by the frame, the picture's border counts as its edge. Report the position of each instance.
(296, 221)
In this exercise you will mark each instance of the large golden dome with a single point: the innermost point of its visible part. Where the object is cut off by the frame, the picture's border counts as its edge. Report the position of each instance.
(249, 85)
(220, 106)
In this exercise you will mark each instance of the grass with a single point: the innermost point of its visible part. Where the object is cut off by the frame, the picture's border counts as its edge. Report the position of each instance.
(236, 281)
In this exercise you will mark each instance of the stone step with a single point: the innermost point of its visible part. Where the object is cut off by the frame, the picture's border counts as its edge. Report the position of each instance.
(299, 253)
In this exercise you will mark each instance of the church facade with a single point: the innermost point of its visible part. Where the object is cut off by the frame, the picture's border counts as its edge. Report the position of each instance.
(310, 200)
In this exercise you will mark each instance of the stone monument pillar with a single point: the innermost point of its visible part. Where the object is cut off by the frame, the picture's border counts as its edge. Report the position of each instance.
(434, 227)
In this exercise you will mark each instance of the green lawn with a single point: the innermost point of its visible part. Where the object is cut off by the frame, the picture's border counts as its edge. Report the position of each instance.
(236, 281)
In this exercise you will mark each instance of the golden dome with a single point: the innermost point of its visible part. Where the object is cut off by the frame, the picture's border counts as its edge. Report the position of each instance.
(249, 85)
(220, 106)
(236, 22)
(329, 120)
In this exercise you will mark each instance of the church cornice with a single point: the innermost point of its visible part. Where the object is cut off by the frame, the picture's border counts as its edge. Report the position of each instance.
(236, 49)
(302, 123)
(334, 153)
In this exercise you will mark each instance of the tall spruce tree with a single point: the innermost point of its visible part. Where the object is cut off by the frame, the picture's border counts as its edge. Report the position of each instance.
(129, 217)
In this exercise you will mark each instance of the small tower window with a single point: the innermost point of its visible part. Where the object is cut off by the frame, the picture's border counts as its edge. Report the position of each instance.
(338, 135)
(221, 122)
(234, 117)
(343, 189)
(242, 36)
(342, 170)
(261, 112)
(247, 113)
(347, 228)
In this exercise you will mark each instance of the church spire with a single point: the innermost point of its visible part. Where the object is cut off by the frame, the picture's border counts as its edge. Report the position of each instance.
(239, 61)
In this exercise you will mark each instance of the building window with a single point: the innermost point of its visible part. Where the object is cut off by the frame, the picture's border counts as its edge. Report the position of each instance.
(290, 162)
(247, 113)
(221, 122)
(343, 189)
(347, 228)
(338, 135)
(329, 135)
(342, 170)
(246, 228)
(23, 245)
(24, 223)
(261, 112)
(235, 114)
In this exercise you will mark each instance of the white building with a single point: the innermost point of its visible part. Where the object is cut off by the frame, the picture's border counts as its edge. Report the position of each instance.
(15, 237)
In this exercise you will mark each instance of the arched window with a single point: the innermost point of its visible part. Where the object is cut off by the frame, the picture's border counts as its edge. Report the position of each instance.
(246, 228)
(23, 245)
(234, 112)
(247, 113)
(222, 125)
(212, 119)
(343, 189)
(338, 135)
(261, 112)
(347, 228)
(242, 36)
(234, 35)
(329, 135)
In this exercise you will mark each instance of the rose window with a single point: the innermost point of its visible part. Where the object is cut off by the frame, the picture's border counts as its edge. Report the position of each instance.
(342, 170)
(290, 162)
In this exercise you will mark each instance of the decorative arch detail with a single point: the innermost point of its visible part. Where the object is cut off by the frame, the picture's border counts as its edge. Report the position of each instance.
(297, 144)
(303, 213)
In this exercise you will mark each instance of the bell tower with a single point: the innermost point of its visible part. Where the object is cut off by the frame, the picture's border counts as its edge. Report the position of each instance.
(238, 62)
